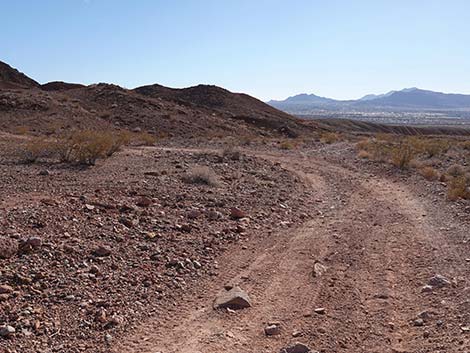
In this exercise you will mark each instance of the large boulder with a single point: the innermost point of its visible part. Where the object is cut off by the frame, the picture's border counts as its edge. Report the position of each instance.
(234, 298)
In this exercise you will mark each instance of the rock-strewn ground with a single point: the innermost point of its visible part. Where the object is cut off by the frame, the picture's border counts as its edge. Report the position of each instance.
(121, 241)
(127, 256)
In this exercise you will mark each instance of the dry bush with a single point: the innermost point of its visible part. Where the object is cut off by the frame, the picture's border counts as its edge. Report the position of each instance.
(465, 145)
(363, 154)
(37, 148)
(86, 147)
(202, 176)
(429, 173)
(364, 145)
(402, 155)
(143, 139)
(21, 130)
(330, 137)
(81, 147)
(458, 188)
(232, 152)
(382, 136)
(456, 170)
(378, 150)
(381, 152)
(435, 147)
(287, 145)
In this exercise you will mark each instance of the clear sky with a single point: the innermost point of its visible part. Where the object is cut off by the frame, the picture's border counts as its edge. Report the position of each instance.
(267, 48)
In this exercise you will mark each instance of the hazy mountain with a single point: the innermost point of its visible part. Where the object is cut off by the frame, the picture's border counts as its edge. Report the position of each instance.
(406, 99)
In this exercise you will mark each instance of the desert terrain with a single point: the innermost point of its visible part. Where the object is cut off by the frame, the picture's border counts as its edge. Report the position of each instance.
(220, 224)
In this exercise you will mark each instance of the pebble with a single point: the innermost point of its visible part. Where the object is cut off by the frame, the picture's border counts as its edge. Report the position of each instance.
(272, 330)
(7, 331)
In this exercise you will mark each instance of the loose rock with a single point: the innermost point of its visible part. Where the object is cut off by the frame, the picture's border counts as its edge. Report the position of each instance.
(272, 330)
(234, 298)
(296, 348)
(438, 281)
(7, 331)
(102, 251)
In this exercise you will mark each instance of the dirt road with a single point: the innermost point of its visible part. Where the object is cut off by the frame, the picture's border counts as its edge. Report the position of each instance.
(380, 242)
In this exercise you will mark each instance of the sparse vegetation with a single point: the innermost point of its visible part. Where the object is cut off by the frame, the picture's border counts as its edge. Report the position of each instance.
(79, 147)
(458, 188)
(455, 170)
(363, 154)
(329, 137)
(429, 173)
(201, 175)
(232, 152)
(402, 155)
(36, 148)
(286, 145)
(143, 139)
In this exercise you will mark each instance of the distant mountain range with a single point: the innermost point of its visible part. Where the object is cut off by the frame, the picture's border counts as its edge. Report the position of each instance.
(408, 99)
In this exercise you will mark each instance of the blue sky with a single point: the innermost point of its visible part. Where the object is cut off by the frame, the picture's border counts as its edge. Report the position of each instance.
(269, 49)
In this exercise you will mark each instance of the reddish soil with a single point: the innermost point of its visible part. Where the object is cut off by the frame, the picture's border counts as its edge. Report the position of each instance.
(380, 238)
(380, 235)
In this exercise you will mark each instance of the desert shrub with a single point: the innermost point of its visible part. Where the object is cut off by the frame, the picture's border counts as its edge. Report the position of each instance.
(382, 136)
(364, 154)
(286, 145)
(465, 145)
(86, 147)
(381, 151)
(429, 173)
(377, 150)
(36, 148)
(458, 188)
(82, 147)
(455, 170)
(402, 155)
(21, 130)
(202, 176)
(330, 137)
(232, 153)
(435, 147)
(143, 139)
(364, 145)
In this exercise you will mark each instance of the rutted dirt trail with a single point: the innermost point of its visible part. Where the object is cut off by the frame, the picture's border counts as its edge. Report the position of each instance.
(379, 245)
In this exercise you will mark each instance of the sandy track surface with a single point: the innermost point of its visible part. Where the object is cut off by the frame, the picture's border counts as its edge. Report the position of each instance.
(379, 242)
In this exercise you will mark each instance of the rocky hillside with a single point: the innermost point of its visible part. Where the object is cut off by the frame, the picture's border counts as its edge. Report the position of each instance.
(195, 111)
(11, 78)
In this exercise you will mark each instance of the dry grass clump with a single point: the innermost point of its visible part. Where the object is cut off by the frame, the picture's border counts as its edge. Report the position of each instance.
(21, 130)
(232, 152)
(436, 147)
(330, 137)
(363, 154)
(377, 150)
(79, 147)
(382, 136)
(37, 148)
(455, 170)
(465, 145)
(458, 188)
(201, 176)
(286, 145)
(402, 155)
(429, 173)
(143, 139)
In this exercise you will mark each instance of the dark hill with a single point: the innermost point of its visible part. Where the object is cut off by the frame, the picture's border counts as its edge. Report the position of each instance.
(11, 78)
